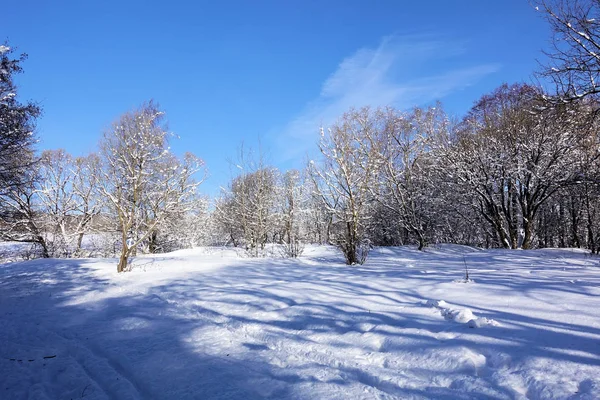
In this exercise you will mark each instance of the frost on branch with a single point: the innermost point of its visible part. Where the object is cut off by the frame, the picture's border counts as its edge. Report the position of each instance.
(144, 183)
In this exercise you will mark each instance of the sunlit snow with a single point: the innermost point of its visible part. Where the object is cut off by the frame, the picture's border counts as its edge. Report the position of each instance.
(208, 324)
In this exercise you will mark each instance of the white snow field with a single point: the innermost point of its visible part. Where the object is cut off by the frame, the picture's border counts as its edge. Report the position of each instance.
(206, 324)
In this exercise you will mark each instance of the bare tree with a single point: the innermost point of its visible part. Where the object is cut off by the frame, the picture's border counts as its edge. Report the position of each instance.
(513, 153)
(574, 57)
(142, 180)
(293, 199)
(87, 172)
(408, 190)
(343, 180)
(58, 202)
(246, 210)
(55, 209)
(189, 207)
(183, 229)
(22, 220)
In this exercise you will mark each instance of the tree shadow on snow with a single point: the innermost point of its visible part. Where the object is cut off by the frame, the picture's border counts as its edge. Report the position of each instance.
(269, 329)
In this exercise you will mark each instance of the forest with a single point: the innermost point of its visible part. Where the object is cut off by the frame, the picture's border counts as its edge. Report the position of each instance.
(519, 171)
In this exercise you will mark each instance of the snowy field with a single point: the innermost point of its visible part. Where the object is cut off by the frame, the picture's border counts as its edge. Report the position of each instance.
(206, 324)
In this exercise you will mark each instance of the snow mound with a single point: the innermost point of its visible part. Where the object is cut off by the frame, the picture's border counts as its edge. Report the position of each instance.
(463, 281)
(481, 322)
(460, 315)
(463, 315)
(436, 303)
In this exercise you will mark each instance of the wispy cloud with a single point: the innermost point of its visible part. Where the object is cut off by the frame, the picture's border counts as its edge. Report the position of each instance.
(391, 74)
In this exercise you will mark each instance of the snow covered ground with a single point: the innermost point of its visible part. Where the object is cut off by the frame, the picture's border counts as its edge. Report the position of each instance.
(206, 324)
(14, 251)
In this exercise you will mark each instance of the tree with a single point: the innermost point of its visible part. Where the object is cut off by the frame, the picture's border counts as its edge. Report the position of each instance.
(408, 190)
(66, 199)
(293, 201)
(246, 210)
(189, 209)
(90, 204)
(574, 59)
(142, 181)
(57, 200)
(512, 153)
(343, 180)
(574, 67)
(17, 140)
(185, 228)
(245, 213)
(22, 220)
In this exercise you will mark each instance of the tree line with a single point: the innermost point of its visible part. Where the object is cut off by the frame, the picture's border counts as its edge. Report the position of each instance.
(519, 170)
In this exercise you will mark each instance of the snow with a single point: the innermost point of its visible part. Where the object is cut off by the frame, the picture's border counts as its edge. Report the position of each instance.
(14, 251)
(205, 323)
(462, 315)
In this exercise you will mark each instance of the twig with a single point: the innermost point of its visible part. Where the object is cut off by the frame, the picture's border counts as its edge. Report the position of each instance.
(84, 389)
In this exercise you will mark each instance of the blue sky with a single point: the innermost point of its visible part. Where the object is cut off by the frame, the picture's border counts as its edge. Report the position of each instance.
(228, 72)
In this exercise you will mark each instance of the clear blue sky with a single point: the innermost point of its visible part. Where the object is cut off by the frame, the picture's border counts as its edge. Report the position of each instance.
(233, 71)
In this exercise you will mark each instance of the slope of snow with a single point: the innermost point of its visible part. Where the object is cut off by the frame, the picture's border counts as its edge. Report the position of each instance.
(205, 324)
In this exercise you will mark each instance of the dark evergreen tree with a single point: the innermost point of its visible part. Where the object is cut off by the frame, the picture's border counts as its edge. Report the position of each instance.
(17, 124)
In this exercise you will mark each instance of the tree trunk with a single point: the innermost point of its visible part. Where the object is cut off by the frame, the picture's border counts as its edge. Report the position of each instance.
(122, 261)
(350, 253)
(562, 234)
(152, 239)
(591, 239)
(79, 244)
(42, 243)
(422, 241)
(125, 250)
(349, 248)
(528, 233)
(575, 224)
